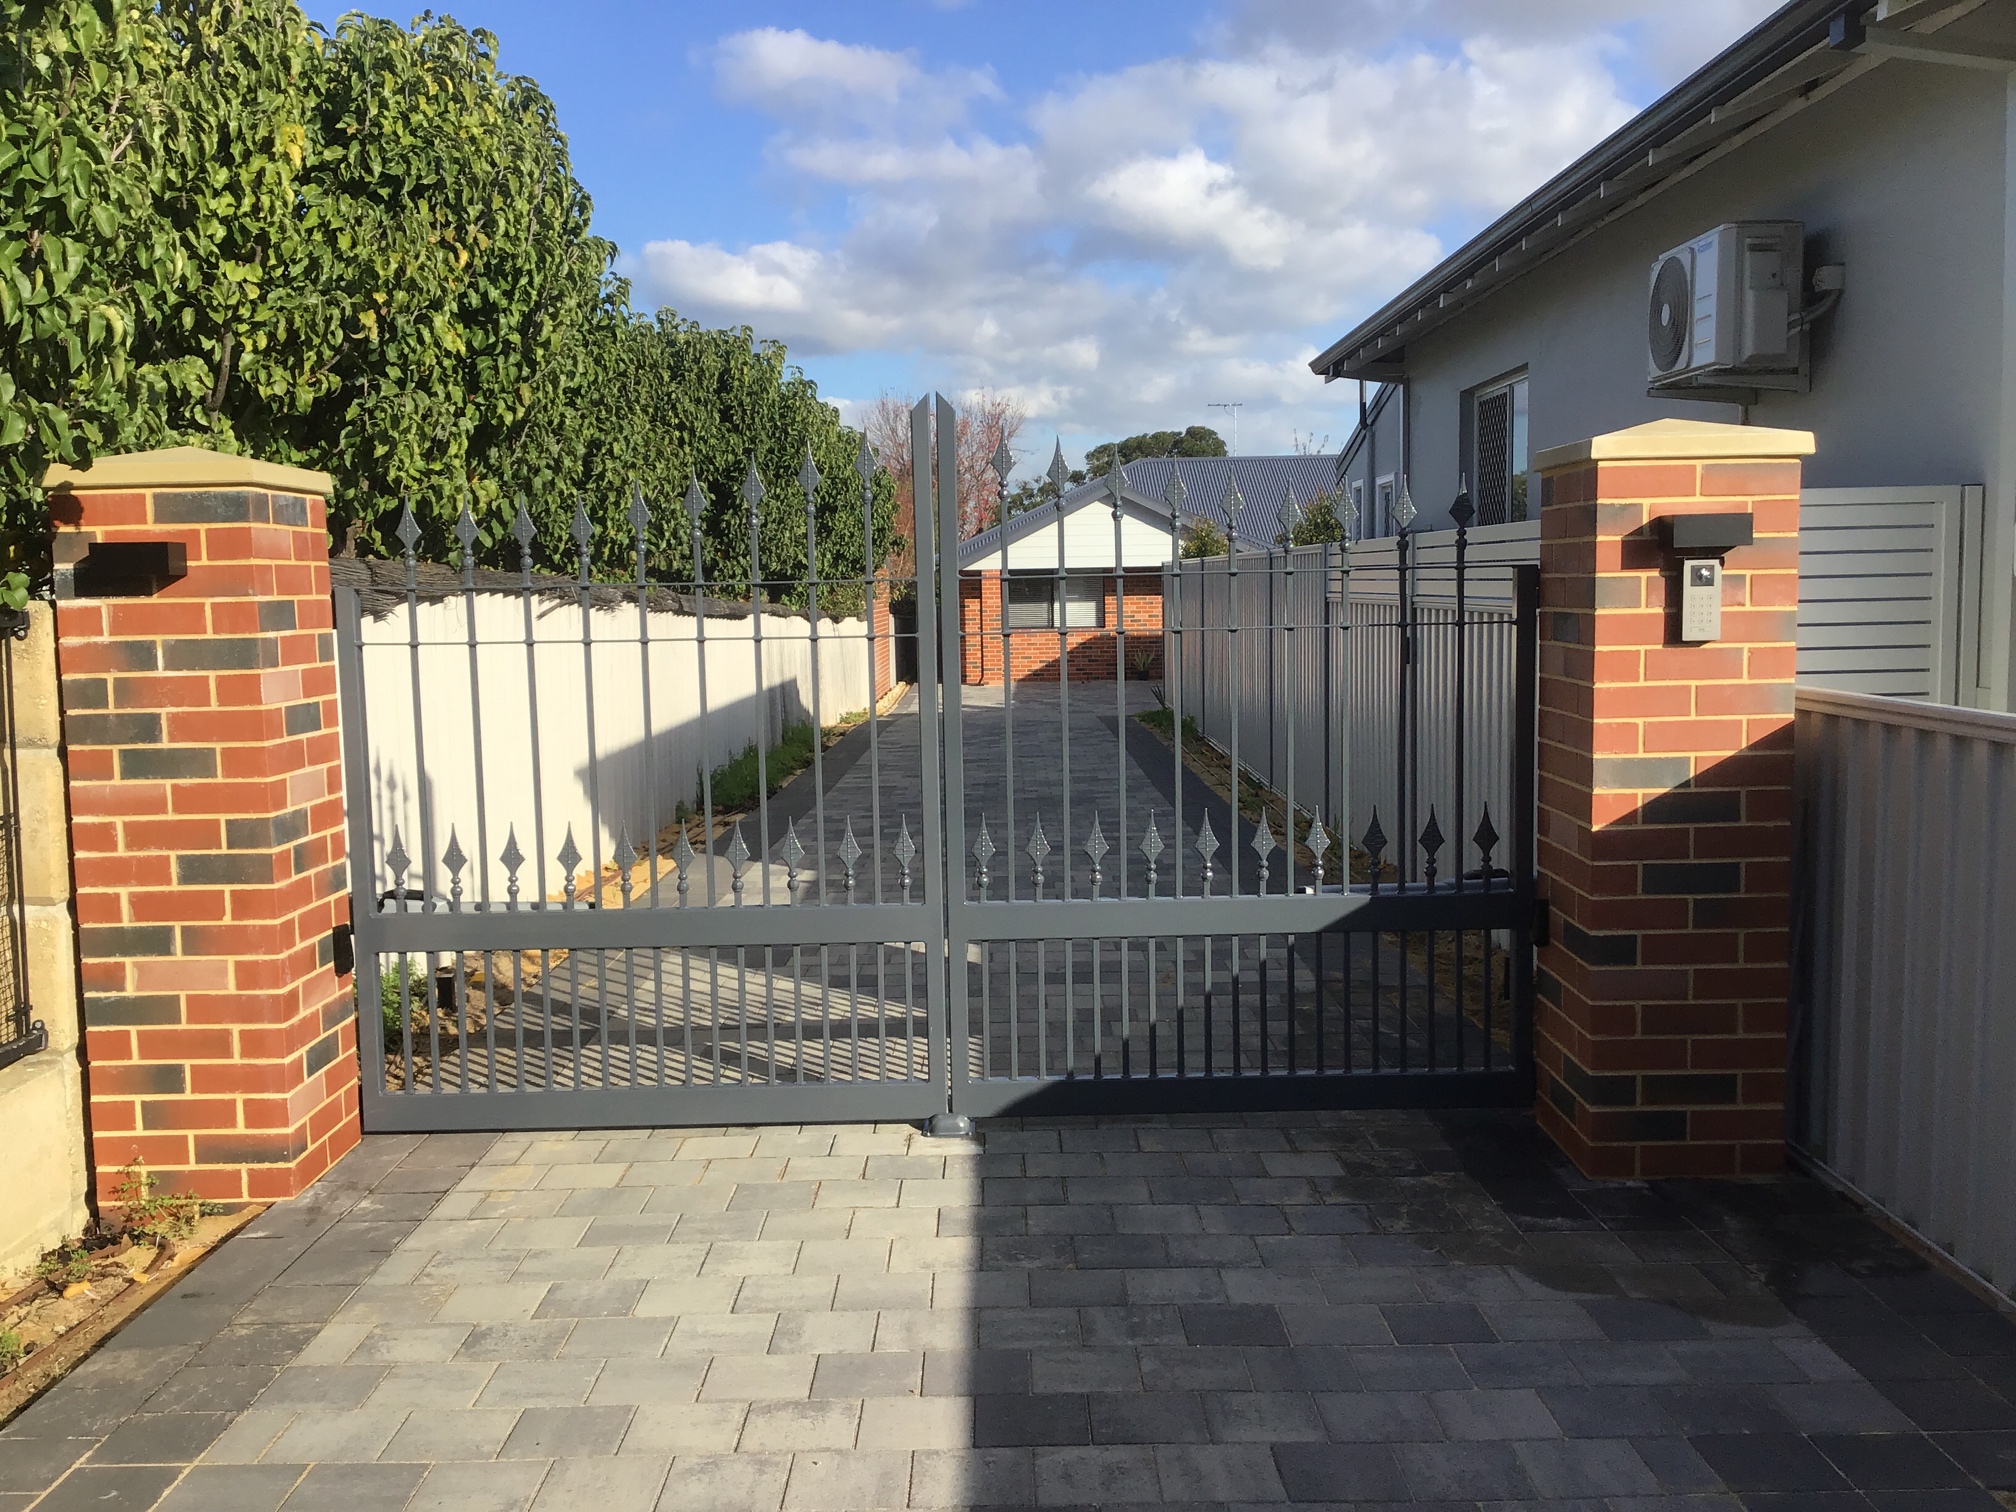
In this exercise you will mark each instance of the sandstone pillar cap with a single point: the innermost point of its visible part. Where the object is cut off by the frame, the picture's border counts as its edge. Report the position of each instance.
(187, 467)
(1680, 440)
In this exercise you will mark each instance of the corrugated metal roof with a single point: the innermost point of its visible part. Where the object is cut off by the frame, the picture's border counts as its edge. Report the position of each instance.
(1263, 484)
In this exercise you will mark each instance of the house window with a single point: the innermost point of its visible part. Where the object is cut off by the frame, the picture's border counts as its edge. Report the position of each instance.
(1382, 506)
(1037, 601)
(1498, 450)
(1360, 526)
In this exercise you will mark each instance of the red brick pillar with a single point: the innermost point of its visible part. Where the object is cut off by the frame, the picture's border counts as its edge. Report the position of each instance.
(206, 804)
(1665, 783)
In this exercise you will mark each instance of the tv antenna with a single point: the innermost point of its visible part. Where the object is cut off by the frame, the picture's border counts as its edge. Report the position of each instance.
(1234, 418)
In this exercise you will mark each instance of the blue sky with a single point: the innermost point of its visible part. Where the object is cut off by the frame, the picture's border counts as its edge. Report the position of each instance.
(1116, 213)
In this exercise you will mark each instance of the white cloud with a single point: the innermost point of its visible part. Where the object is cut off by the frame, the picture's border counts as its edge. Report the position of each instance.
(1143, 241)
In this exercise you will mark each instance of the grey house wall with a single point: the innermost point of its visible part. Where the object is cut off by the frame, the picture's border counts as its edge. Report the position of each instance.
(1903, 175)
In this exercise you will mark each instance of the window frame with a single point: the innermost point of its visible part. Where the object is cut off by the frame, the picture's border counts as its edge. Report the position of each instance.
(1517, 385)
(1058, 603)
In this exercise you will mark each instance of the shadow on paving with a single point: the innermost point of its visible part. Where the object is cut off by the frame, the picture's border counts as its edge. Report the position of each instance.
(1351, 1309)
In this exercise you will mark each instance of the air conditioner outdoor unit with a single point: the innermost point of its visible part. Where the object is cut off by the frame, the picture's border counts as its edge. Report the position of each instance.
(1723, 315)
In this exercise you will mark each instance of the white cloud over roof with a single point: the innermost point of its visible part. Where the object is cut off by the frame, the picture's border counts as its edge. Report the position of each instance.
(1133, 244)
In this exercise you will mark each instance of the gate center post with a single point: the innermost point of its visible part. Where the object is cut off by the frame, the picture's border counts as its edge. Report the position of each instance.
(1665, 804)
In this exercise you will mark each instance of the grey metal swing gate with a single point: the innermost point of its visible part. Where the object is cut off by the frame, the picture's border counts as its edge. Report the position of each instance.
(1065, 890)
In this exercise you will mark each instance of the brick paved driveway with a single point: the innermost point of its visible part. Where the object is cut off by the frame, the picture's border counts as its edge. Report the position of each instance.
(1340, 1308)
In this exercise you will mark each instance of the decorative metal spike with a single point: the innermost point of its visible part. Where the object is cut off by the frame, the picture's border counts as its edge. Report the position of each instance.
(640, 514)
(1038, 847)
(850, 852)
(408, 529)
(1486, 839)
(1207, 847)
(569, 859)
(1003, 462)
(1462, 511)
(1059, 472)
(397, 861)
(808, 477)
(753, 491)
(625, 861)
(1318, 841)
(683, 858)
(1432, 841)
(696, 500)
(1096, 847)
(1291, 511)
(905, 850)
(983, 852)
(1403, 508)
(864, 462)
(1152, 847)
(1264, 846)
(523, 529)
(1232, 503)
(465, 534)
(1351, 522)
(738, 859)
(1174, 493)
(454, 860)
(1375, 846)
(513, 858)
(583, 528)
(793, 852)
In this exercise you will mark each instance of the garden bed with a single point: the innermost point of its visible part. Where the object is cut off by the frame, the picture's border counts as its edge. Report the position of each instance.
(56, 1322)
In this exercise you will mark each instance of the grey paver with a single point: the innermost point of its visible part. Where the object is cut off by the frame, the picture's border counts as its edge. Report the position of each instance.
(233, 1488)
(726, 1483)
(602, 1485)
(451, 1434)
(352, 1437)
(502, 1486)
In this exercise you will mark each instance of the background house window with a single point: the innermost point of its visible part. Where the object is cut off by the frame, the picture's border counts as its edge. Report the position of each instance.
(1036, 601)
(1360, 526)
(1498, 447)
(1382, 507)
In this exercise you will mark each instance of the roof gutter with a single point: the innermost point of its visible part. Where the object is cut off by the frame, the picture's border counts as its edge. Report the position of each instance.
(1788, 50)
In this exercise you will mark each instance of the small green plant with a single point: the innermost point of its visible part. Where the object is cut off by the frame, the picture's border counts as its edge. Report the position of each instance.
(161, 1219)
(1162, 722)
(12, 1350)
(14, 591)
(1203, 539)
(65, 1265)
(396, 984)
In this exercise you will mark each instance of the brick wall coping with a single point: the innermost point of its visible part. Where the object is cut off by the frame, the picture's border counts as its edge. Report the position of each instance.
(1666, 440)
(188, 467)
(1910, 714)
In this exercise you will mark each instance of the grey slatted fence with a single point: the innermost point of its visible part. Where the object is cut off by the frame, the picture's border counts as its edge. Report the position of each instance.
(1905, 1018)
(1276, 643)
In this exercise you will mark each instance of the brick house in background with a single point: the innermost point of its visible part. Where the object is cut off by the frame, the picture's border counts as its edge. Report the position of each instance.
(1049, 587)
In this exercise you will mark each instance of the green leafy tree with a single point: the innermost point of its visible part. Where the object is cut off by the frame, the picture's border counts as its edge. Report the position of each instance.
(1319, 523)
(1203, 538)
(84, 257)
(363, 251)
(1197, 441)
